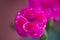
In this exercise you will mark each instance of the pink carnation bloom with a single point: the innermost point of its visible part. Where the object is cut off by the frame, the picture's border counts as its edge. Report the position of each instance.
(30, 23)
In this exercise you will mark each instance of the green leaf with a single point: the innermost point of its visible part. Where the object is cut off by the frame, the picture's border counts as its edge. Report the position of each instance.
(44, 36)
(49, 24)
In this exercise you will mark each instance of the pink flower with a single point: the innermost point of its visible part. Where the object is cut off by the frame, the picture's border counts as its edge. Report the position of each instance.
(48, 3)
(30, 23)
(56, 11)
(43, 3)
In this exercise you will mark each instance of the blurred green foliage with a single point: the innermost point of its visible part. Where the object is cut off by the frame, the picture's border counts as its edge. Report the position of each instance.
(49, 24)
(12, 26)
(44, 36)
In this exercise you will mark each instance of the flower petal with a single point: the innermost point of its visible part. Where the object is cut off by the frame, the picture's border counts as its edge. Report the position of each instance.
(37, 34)
(31, 27)
(19, 21)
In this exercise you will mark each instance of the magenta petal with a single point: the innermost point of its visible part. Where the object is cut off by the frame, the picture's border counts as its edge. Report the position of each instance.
(19, 21)
(47, 12)
(30, 14)
(37, 34)
(34, 3)
(39, 17)
(47, 3)
(56, 12)
(21, 32)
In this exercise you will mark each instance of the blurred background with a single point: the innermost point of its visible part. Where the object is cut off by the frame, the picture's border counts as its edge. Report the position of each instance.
(8, 11)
